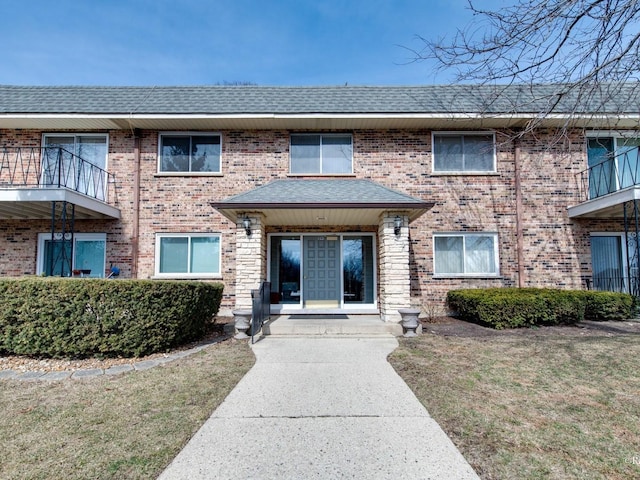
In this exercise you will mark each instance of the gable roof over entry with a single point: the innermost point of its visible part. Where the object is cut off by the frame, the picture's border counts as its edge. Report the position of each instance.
(321, 202)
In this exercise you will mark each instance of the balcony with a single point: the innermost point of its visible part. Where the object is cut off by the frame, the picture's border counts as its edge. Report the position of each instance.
(605, 188)
(33, 178)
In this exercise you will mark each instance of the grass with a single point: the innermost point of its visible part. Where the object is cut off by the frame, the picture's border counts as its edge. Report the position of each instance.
(126, 427)
(533, 406)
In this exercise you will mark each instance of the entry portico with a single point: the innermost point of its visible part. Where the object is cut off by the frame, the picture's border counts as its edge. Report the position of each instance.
(327, 245)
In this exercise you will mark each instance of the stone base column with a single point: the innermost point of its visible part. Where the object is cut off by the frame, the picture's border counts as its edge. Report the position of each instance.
(251, 251)
(395, 281)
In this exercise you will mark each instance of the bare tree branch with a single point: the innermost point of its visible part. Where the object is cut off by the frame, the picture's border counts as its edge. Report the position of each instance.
(578, 45)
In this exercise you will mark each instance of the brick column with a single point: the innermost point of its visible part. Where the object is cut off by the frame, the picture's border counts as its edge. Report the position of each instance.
(395, 281)
(251, 264)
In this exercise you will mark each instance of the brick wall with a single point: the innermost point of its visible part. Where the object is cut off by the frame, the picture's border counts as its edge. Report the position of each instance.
(556, 249)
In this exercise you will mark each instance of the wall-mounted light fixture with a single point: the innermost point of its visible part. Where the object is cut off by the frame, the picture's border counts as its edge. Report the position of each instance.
(397, 225)
(246, 223)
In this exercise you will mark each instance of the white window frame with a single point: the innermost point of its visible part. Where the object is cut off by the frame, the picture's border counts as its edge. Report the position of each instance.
(81, 183)
(43, 237)
(615, 136)
(159, 236)
(455, 133)
(623, 239)
(463, 235)
(321, 135)
(46, 135)
(294, 307)
(187, 134)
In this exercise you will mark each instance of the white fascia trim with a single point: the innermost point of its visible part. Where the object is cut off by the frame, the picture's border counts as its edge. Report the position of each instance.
(607, 201)
(429, 115)
(58, 195)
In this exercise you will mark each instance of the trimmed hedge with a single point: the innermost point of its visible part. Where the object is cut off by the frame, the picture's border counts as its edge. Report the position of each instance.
(58, 317)
(525, 307)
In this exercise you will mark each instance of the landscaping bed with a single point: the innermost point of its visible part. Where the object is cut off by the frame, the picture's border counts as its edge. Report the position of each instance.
(451, 326)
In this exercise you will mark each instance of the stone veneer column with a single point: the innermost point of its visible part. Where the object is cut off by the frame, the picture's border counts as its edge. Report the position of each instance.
(395, 281)
(251, 265)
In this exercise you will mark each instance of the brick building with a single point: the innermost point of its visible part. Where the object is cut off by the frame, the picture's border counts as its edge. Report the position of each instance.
(348, 199)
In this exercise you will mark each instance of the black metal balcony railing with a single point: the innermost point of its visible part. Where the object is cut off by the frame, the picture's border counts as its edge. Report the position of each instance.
(52, 167)
(615, 284)
(615, 173)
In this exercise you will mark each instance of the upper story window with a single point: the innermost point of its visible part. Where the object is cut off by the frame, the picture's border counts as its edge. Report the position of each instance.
(76, 161)
(321, 154)
(455, 152)
(614, 163)
(184, 152)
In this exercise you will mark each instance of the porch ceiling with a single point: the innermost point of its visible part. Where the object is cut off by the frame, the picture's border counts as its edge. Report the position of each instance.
(35, 204)
(608, 206)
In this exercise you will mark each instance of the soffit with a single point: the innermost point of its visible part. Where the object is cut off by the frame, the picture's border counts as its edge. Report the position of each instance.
(304, 122)
(34, 204)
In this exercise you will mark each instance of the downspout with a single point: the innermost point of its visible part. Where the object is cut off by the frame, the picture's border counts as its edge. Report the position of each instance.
(519, 234)
(136, 204)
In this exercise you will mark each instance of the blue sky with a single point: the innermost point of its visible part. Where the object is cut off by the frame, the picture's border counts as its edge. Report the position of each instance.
(200, 42)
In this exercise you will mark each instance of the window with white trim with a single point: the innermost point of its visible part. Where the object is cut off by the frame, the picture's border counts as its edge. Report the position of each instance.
(184, 152)
(184, 254)
(455, 152)
(462, 254)
(614, 162)
(87, 258)
(68, 160)
(327, 154)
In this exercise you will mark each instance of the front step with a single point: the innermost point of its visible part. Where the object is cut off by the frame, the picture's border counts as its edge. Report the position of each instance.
(363, 325)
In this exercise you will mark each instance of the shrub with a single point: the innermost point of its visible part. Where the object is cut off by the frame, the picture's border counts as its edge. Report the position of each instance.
(525, 307)
(608, 306)
(57, 317)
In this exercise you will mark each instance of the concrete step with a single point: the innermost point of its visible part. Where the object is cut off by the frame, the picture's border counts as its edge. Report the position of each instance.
(363, 325)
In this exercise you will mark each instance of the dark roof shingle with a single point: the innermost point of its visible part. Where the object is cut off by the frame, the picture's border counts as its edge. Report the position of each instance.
(251, 99)
(298, 192)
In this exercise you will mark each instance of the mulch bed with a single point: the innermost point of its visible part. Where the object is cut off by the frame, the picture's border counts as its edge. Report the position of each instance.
(20, 363)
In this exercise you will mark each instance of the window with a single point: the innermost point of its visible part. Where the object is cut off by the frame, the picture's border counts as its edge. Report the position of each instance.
(614, 263)
(466, 254)
(192, 255)
(57, 258)
(614, 163)
(68, 161)
(189, 153)
(468, 152)
(321, 154)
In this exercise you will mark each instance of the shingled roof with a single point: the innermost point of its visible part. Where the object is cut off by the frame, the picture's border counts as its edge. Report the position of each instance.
(357, 195)
(252, 99)
(298, 193)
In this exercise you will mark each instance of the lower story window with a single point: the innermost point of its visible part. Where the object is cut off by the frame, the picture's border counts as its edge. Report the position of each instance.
(466, 254)
(81, 254)
(614, 262)
(187, 255)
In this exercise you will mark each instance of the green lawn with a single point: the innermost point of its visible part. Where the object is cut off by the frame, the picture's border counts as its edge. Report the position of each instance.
(533, 406)
(126, 427)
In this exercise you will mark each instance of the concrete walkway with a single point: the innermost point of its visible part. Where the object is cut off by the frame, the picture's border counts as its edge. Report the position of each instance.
(320, 407)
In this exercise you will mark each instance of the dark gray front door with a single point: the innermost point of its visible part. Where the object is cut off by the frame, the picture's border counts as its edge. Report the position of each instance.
(321, 272)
